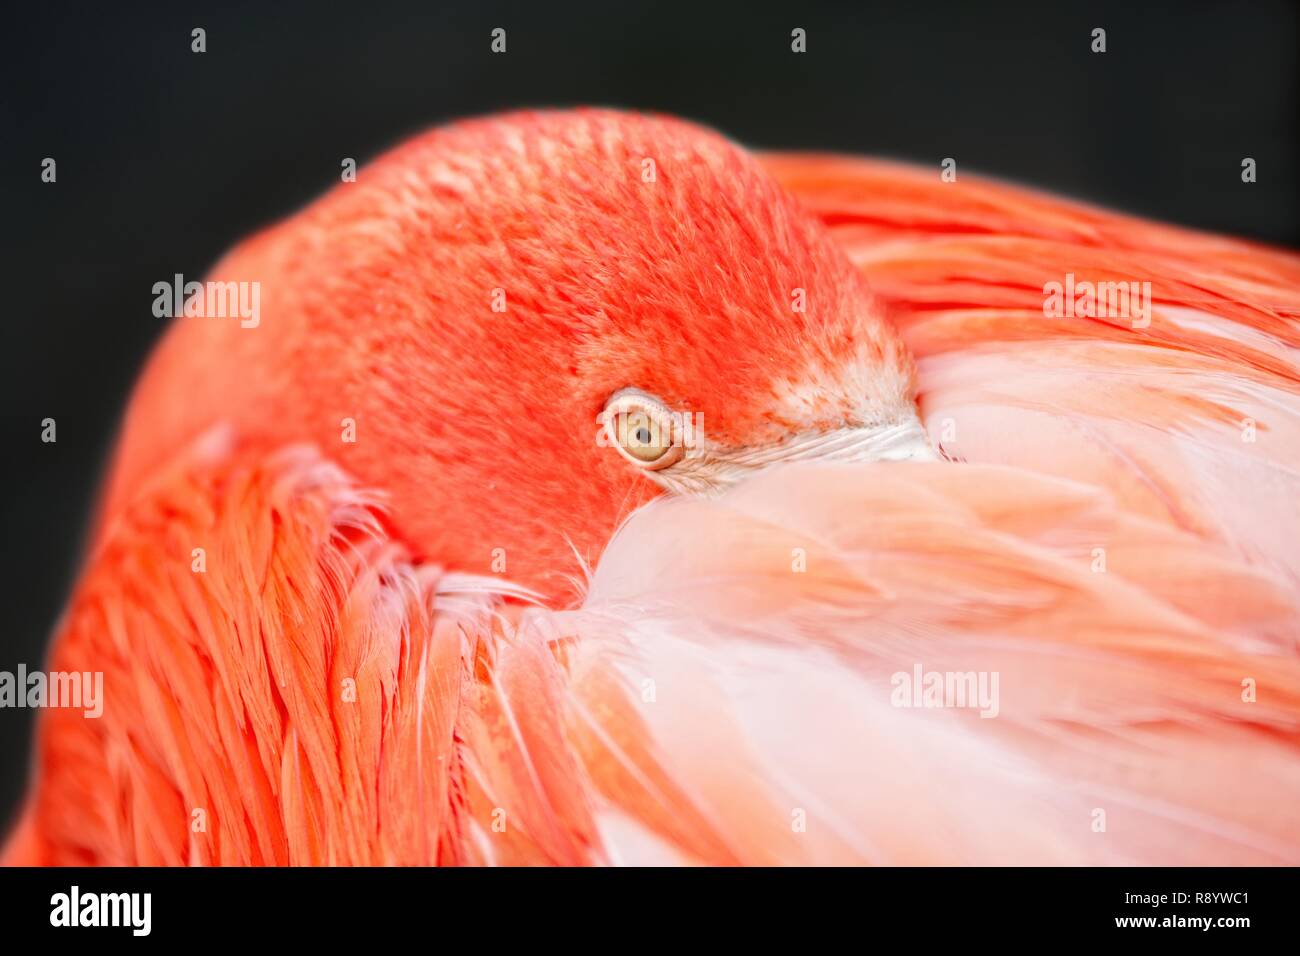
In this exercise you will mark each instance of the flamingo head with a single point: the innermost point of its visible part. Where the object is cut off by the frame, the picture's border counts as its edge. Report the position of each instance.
(664, 318)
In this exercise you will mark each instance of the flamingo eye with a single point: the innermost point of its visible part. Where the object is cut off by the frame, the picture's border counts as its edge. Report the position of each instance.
(643, 429)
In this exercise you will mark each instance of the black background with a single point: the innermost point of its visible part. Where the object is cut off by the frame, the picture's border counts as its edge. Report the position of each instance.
(819, 907)
(166, 157)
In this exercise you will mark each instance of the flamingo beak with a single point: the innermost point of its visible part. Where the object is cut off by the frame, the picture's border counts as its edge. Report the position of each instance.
(707, 470)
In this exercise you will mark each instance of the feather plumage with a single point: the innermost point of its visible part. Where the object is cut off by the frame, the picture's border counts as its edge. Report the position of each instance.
(345, 684)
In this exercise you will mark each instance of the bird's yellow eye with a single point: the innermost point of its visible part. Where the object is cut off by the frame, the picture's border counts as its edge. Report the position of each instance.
(641, 436)
(643, 429)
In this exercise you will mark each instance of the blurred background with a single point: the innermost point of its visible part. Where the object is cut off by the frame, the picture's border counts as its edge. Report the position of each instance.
(167, 157)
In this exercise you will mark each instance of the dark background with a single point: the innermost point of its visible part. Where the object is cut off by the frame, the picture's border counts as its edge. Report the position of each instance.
(166, 157)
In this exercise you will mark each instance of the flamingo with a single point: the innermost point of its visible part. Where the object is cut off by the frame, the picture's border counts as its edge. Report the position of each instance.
(595, 491)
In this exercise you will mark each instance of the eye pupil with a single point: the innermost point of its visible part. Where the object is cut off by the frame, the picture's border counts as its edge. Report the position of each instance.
(643, 435)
